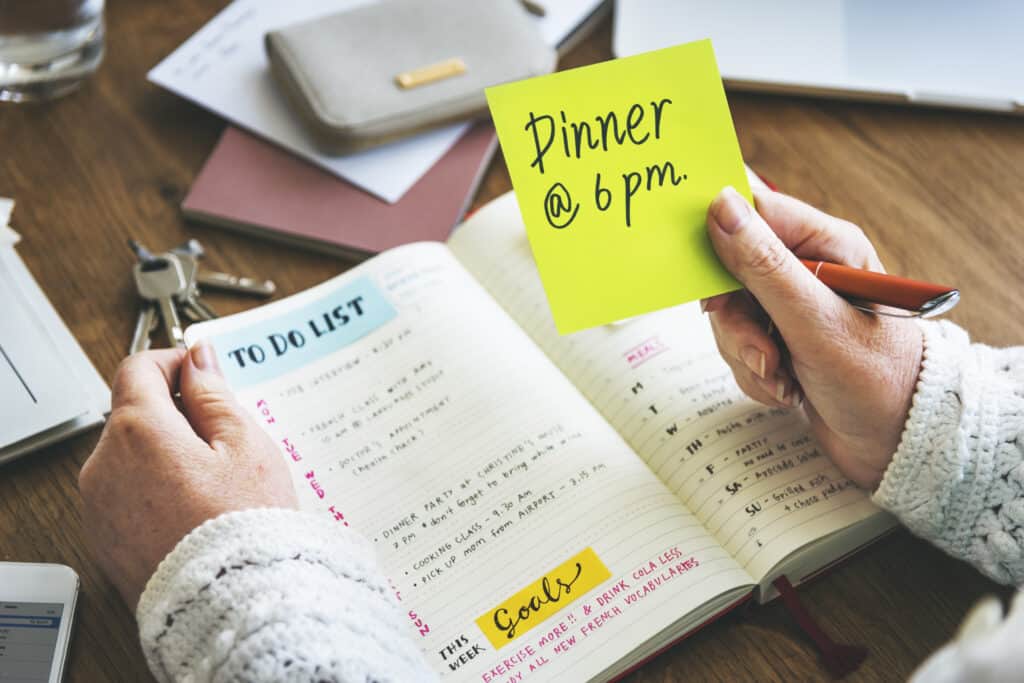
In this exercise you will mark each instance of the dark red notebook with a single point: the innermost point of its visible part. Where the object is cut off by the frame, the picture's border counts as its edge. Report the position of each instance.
(255, 187)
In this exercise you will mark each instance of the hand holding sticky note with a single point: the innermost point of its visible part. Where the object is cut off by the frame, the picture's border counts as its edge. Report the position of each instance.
(614, 166)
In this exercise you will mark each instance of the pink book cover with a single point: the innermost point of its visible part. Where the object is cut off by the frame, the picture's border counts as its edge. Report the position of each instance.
(255, 187)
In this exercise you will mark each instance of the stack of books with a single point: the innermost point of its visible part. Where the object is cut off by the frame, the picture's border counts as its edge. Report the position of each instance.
(266, 177)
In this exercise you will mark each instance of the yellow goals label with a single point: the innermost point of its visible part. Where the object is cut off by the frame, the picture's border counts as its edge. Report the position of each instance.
(542, 598)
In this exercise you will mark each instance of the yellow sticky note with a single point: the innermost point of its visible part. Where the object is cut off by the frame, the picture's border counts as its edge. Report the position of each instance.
(614, 166)
(544, 597)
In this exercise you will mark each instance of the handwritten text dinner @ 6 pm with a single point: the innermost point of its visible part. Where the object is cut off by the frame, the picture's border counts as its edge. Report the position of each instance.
(636, 126)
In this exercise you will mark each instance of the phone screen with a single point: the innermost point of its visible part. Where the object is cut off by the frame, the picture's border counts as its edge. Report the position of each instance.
(28, 640)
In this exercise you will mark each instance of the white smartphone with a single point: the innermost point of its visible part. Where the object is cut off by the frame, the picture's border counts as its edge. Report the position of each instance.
(37, 603)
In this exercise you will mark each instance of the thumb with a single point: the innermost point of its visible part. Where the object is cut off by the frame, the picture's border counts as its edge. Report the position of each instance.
(754, 254)
(210, 407)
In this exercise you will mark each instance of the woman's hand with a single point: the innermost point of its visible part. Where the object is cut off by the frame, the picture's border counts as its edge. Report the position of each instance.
(159, 471)
(854, 372)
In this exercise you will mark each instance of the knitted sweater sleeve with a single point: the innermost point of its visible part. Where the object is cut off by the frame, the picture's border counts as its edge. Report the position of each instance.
(274, 595)
(957, 478)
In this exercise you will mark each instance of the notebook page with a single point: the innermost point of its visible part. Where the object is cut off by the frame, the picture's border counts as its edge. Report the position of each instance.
(751, 474)
(435, 427)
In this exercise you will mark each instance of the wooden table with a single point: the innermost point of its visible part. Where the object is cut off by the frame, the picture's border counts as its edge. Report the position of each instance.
(939, 192)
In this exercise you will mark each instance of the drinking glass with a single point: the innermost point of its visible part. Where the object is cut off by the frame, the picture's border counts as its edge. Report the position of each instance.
(48, 47)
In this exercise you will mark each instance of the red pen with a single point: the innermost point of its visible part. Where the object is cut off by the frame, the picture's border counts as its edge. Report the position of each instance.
(922, 299)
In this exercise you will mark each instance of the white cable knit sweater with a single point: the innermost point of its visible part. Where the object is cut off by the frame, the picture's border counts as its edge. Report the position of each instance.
(957, 478)
(276, 595)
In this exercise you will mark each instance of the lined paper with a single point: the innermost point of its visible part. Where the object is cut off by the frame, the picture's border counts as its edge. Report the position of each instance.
(452, 443)
(751, 474)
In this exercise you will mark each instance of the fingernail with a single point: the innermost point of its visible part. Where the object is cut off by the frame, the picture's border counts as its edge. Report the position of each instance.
(730, 210)
(755, 359)
(780, 391)
(203, 357)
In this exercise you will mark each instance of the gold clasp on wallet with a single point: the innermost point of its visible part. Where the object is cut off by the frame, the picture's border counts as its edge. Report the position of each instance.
(428, 74)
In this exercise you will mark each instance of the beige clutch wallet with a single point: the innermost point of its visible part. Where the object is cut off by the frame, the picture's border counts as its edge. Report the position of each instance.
(386, 70)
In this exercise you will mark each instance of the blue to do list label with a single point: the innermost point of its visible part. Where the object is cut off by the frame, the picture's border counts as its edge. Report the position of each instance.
(273, 347)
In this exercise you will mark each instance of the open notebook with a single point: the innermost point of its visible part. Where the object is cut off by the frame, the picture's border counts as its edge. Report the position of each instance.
(555, 508)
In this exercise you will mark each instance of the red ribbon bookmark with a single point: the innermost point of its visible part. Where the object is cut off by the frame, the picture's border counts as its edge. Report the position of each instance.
(838, 659)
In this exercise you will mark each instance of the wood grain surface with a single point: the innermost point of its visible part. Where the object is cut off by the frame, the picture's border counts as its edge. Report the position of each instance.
(939, 193)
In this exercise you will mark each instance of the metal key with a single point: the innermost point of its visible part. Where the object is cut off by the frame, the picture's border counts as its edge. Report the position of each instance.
(141, 253)
(148, 317)
(233, 283)
(191, 304)
(189, 254)
(144, 326)
(161, 281)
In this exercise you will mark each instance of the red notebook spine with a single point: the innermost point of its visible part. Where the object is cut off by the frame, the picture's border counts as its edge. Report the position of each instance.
(712, 618)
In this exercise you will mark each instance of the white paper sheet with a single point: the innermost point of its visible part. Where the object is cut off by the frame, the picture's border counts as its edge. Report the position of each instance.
(34, 389)
(7, 236)
(48, 388)
(223, 67)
